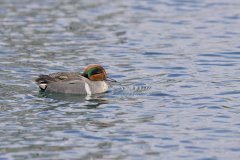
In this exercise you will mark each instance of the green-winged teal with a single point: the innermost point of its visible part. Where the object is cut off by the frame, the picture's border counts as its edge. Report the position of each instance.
(91, 81)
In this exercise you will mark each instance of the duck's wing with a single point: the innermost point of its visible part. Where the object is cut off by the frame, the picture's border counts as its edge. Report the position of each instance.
(44, 80)
(76, 86)
(59, 76)
(65, 75)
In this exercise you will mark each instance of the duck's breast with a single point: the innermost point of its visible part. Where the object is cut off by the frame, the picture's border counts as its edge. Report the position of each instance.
(97, 86)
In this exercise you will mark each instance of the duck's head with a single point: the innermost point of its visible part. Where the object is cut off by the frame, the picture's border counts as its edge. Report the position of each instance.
(95, 72)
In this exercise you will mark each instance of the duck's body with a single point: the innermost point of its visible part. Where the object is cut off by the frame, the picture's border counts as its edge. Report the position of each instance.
(92, 81)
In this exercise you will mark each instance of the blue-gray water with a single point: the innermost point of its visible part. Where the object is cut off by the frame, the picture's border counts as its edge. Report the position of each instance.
(177, 67)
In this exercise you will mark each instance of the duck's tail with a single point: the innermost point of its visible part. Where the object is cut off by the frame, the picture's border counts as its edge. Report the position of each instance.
(43, 81)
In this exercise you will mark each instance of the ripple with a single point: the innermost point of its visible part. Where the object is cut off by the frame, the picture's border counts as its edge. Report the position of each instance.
(232, 55)
(177, 75)
(160, 94)
(156, 54)
(230, 93)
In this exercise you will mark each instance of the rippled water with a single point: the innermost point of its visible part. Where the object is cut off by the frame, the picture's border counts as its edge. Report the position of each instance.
(177, 67)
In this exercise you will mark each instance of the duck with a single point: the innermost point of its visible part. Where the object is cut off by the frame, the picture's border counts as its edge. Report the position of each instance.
(93, 80)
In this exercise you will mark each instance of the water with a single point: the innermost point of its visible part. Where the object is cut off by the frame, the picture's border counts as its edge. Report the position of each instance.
(177, 67)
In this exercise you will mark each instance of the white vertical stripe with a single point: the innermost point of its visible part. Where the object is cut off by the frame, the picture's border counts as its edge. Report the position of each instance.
(87, 88)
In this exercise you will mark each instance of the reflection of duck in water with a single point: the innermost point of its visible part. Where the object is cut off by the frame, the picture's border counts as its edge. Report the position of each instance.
(88, 101)
(91, 81)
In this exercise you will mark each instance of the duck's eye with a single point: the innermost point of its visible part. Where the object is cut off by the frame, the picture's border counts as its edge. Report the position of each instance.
(96, 71)
(92, 71)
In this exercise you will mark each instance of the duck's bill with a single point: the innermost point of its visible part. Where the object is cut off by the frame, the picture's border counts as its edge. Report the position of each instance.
(110, 79)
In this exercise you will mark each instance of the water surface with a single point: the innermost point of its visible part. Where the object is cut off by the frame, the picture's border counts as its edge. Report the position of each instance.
(177, 67)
